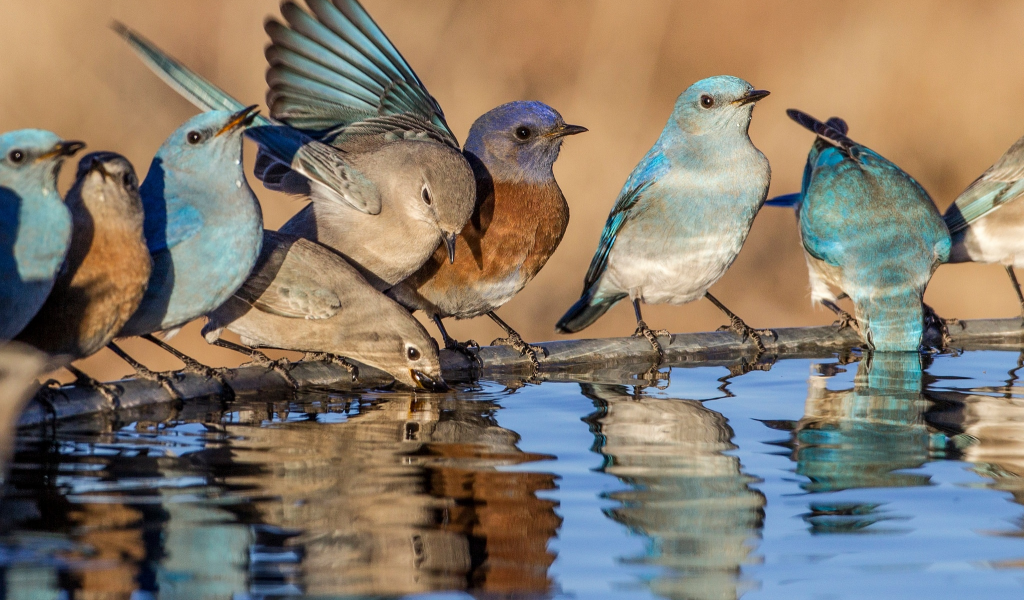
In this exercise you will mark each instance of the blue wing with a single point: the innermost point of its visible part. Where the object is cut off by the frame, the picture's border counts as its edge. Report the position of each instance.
(1000, 184)
(165, 230)
(336, 67)
(787, 200)
(639, 181)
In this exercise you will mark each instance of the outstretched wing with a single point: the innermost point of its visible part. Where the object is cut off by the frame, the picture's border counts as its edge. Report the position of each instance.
(1001, 183)
(317, 161)
(336, 67)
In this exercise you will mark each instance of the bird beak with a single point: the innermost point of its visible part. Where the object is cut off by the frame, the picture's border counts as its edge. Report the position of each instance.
(752, 96)
(564, 130)
(63, 149)
(97, 167)
(242, 118)
(429, 383)
(449, 241)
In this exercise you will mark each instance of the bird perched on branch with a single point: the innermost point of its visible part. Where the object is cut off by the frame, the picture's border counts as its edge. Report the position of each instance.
(986, 221)
(870, 230)
(359, 137)
(302, 296)
(35, 226)
(203, 225)
(685, 210)
(107, 267)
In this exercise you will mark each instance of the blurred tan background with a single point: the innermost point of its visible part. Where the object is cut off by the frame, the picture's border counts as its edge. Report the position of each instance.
(937, 87)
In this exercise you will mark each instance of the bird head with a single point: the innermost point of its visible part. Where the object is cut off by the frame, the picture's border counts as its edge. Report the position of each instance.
(435, 183)
(401, 347)
(717, 104)
(107, 184)
(519, 141)
(208, 143)
(32, 158)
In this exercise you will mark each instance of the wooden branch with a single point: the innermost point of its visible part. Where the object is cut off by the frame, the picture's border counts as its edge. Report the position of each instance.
(566, 360)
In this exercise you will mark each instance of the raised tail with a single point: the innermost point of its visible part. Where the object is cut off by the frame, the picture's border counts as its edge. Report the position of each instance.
(586, 310)
(194, 87)
(892, 323)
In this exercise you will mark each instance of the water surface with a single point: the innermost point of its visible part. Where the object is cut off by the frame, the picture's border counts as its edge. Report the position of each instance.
(882, 477)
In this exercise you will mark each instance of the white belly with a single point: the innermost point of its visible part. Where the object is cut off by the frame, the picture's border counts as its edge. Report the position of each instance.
(673, 279)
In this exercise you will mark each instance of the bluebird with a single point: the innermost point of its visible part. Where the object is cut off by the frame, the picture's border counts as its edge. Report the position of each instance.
(203, 224)
(302, 296)
(683, 215)
(985, 219)
(519, 219)
(107, 267)
(870, 230)
(35, 226)
(358, 135)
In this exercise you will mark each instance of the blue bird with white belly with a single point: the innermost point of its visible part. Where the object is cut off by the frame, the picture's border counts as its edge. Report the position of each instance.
(203, 224)
(35, 225)
(870, 230)
(684, 213)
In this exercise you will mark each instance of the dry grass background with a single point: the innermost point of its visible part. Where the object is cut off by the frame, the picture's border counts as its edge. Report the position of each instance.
(935, 86)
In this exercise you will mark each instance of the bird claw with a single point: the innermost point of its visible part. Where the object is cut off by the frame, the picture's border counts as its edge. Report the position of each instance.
(334, 359)
(281, 366)
(846, 321)
(466, 349)
(642, 330)
(516, 343)
(745, 331)
(161, 378)
(110, 392)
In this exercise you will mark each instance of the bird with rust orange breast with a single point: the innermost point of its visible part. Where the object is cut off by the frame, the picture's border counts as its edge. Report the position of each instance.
(519, 219)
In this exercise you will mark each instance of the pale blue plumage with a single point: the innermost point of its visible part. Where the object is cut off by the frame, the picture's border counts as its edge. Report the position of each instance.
(870, 230)
(203, 223)
(685, 211)
(35, 226)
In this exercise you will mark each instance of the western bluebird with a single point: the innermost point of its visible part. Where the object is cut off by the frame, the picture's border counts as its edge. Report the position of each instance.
(985, 220)
(203, 225)
(35, 226)
(107, 266)
(683, 215)
(870, 230)
(519, 219)
(302, 296)
(376, 142)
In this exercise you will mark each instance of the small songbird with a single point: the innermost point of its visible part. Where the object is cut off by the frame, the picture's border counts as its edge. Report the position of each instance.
(302, 296)
(35, 226)
(683, 215)
(20, 365)
(359, 136)
(986, 221)
(107, 266)
(203, 224)
(519, 219)
(870, 230)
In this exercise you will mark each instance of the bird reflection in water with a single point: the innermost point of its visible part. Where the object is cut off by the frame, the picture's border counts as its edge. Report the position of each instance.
(403, 496)
(986, 427)
(871, 436)
(690, 499)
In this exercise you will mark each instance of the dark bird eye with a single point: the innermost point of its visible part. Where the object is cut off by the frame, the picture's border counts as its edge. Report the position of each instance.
(194, 137)
(523, 132)
(412, 353)
(16, 156)
(707, 101)
(426, 196)
(129, 181)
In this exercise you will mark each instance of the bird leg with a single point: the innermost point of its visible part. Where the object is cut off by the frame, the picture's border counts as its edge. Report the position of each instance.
(334, 359)
(516, 342)
(142, 372)
(259, 359)
(845, 318)
(1016, 288)
(191, 365)
(932, 319)
(739, 327)
(109, 392)
(642, 330)
(464, 348)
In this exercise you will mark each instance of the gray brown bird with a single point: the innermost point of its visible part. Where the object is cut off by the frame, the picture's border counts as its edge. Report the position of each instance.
(19, 367)
(107, 266)
(302, 296)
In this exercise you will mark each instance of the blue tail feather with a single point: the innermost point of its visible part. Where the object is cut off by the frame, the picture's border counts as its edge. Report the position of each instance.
(586, 310)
